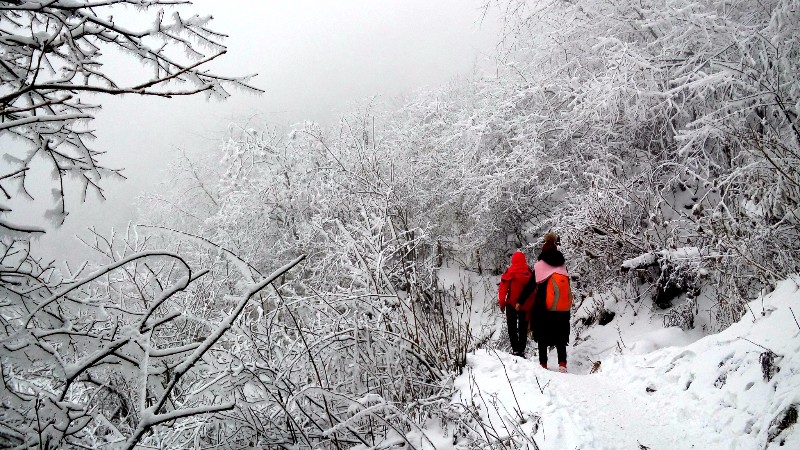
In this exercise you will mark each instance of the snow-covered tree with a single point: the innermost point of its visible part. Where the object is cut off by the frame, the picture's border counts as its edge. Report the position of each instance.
(680, 123)
(55, 61)
(108, 353)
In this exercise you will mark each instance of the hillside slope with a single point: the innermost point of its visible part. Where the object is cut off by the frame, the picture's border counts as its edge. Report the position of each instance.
(738, 389)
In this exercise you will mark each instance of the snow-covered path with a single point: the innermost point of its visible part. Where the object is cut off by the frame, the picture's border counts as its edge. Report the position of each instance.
(710, 394)
(595, 411)
(613, 415)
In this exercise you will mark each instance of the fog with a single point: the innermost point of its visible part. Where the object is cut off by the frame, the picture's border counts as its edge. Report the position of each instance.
(314, 59)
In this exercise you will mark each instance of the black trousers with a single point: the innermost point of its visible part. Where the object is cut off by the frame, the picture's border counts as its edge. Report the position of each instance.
(517, 330)
(561, 349)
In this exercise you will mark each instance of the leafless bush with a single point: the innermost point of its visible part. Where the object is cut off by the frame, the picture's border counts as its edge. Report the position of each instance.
(52, 56)
(682, 315)
(111, 353)
(474, 429)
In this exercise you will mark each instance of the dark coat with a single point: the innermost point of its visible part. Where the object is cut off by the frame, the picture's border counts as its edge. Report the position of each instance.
(549, 327)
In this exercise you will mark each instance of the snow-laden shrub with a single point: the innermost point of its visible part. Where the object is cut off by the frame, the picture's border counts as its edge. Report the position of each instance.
(682, 315)
(768, 364)
(672, 273)
(676, 138)
(110, 354)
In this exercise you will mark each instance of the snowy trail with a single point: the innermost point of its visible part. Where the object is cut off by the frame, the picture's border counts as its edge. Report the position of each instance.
(710, 394)
(591, 411)
(614, 416)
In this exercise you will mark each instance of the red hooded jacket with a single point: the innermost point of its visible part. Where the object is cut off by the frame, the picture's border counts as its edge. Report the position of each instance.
(513, 281)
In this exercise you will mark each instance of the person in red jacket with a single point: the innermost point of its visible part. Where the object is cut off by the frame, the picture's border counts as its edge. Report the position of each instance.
(512, 282)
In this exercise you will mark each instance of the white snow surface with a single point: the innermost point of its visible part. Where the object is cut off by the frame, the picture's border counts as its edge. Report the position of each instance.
(707, 393)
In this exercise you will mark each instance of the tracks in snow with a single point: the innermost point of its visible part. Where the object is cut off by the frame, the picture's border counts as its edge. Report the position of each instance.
(590, 412)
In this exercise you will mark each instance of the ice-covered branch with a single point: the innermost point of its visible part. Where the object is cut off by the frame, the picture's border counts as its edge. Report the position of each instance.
(102, 271)
(191, 360)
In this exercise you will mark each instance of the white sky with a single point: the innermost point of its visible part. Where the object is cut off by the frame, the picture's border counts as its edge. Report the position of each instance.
(313, 58)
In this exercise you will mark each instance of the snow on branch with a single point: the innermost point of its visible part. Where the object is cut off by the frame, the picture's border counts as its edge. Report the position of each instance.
(130, 346)
(53, 52)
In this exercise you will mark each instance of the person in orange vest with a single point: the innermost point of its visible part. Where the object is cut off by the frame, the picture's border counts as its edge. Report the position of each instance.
(549, 316)
(512, 282)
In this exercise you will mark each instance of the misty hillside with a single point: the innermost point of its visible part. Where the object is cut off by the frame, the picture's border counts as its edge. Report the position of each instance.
(336, 286)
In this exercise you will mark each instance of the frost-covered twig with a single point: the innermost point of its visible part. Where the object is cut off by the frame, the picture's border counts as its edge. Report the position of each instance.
(518, 409)
(154, 417)
(51, 57)
(794, 317)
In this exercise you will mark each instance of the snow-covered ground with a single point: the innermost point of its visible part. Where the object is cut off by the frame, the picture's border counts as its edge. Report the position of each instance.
(666, 389)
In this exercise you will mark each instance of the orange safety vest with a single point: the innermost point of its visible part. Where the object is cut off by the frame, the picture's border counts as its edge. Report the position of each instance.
(559, 294)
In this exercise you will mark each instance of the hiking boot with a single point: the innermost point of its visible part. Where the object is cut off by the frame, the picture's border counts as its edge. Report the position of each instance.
(544, 366)
(562, 368)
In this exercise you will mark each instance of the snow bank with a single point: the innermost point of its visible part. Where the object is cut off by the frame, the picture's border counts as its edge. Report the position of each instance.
(720, 380)
(662, 338)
